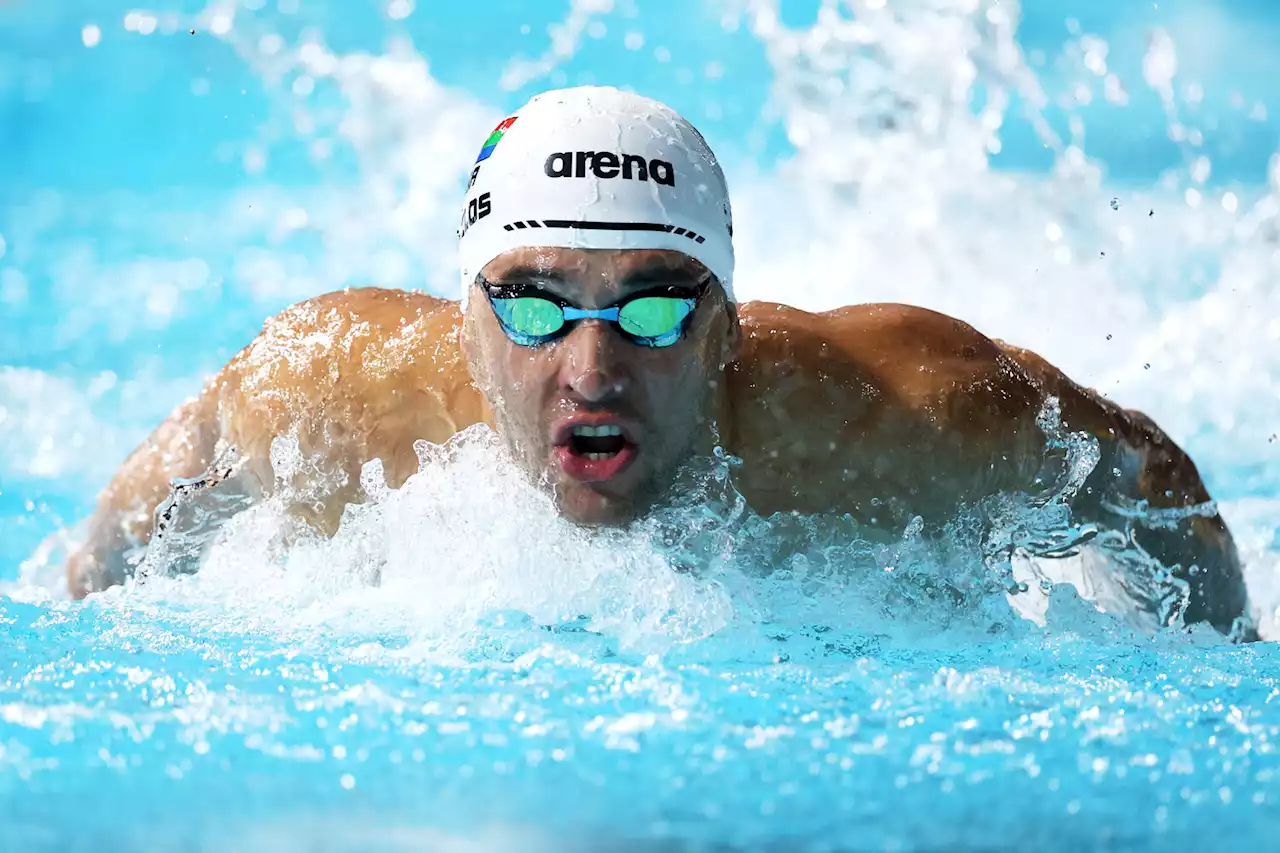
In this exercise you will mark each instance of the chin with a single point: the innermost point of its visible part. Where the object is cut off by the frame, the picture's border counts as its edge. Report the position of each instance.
(589, 508)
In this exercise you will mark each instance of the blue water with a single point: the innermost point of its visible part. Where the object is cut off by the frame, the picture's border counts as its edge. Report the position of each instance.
(410, 687)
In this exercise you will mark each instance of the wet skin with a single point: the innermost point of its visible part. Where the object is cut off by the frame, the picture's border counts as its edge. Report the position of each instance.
(881, 411)
(661, 399)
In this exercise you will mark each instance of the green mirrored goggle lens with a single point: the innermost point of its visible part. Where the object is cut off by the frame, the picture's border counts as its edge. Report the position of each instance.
(531, 316)
(654, 316)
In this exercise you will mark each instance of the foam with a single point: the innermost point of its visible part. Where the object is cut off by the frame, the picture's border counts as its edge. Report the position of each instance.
(467, 561)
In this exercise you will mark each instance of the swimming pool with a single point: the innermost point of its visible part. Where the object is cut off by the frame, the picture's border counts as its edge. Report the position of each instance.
(1097, 183)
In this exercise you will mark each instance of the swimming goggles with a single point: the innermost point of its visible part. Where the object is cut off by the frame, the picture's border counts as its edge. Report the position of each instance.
(656, 317)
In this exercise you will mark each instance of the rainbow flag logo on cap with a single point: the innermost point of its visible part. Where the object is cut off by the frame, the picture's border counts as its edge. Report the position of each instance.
(494, 138)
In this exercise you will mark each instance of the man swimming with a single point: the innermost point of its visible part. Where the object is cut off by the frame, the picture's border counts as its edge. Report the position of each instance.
(599, 337)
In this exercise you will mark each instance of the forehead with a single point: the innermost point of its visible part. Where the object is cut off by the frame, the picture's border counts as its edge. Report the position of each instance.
(614, 266)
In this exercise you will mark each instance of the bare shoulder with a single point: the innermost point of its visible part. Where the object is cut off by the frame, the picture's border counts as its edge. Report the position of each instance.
(350, 322)
(354, 374)
(832, 409)
(369, 304)
(912, 356)
(872, 332)
(350, 336)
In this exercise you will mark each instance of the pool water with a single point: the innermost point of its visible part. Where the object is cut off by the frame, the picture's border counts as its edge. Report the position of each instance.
(459, 670)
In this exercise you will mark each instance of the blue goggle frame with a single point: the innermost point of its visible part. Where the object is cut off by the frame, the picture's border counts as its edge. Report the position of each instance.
(681, 302)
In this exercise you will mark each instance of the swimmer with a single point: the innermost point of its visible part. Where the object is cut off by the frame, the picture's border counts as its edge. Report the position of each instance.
(598, 335)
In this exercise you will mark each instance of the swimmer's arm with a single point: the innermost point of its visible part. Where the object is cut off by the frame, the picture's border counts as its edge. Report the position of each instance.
(1155, 470)
(1165, 477)
(182, 446)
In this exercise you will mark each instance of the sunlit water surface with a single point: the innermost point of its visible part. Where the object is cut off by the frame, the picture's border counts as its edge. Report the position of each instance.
(459, 670)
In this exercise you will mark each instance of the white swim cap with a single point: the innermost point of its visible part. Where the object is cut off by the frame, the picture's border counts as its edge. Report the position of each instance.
(596, 168)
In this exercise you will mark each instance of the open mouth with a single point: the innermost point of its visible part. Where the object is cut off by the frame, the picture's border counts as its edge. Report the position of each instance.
(597, 442)
(594, 452)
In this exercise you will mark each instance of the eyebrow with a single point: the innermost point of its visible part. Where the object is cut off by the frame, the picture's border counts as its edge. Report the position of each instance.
(658, 275)
(521, 272)
(645, 277)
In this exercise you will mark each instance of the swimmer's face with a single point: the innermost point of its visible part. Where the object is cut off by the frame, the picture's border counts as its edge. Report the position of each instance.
(603, 421)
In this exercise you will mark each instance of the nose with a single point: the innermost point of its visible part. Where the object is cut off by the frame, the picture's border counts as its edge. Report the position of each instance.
(593, 366)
